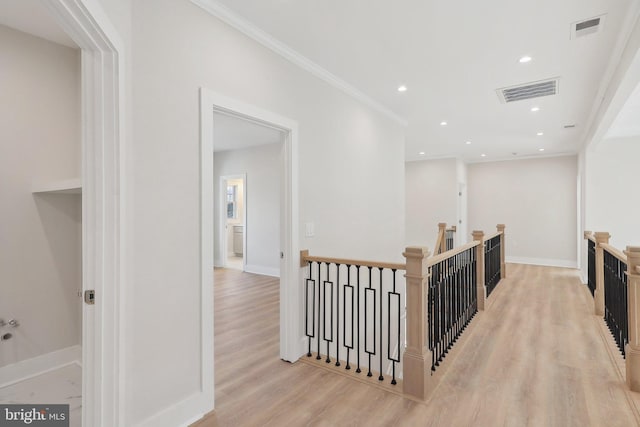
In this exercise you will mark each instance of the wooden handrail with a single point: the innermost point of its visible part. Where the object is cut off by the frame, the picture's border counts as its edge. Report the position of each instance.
(491, 236)
(448, 254)
(588, 235)
(306, 258)
(614, 251)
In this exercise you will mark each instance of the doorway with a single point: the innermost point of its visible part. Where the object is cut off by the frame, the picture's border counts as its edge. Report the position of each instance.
(233, 230)
(291, 344)
(102, 71)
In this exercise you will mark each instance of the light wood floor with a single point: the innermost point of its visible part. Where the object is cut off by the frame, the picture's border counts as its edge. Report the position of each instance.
(536, 357)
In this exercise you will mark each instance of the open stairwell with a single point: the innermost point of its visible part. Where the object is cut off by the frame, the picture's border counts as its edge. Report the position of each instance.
(537, 355)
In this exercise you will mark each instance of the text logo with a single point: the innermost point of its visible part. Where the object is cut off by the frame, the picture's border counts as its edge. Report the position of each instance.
(34, 415)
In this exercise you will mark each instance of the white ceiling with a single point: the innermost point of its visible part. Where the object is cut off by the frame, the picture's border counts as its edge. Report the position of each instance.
(31, 16)
(232, 133)
(452, 56)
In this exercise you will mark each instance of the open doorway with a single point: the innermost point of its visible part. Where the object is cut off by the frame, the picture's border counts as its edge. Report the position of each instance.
(57, 198)
(282, 210)
(248, 164)
(233, 228)
(41, 209)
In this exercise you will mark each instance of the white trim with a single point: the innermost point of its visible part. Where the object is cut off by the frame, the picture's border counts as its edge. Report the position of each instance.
(103, 376)
(29, 368)
(66, 186)
(239, 23)
(174, 415)
(598, 122)
(547, 262)
(523, 157)
(583, 278)
(290, 334)
(259, 269)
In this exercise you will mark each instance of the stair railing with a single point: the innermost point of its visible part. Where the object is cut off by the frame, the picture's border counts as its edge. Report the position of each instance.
(365, 316)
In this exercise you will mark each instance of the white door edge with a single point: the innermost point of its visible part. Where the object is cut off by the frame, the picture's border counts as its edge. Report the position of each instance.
(103, 222)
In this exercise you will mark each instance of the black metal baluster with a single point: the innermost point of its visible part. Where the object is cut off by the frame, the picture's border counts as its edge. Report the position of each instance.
(351, 311)
(306, 308)
(591, 267)
(380, 377)
(457, 300)
(440, 313)
(431, 319)
(389, 352)
(358, 316)
(324, 291)
(366, 322)
(615, 299)
(338, 316)
(320, 308)
(449, 313)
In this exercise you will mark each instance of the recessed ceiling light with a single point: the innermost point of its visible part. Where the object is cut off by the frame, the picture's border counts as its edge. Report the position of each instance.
(534, 109)
(525, 59)
(402, 88)
(421, 153)
(468, 142)
(540, 133)
(443, 123)
(483, 155)
(540, 149)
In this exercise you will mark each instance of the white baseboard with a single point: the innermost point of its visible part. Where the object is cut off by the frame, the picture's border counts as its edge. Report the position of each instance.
(38, 365)
(265, 271)
(547, 262)
(584, 278)
(182, 414)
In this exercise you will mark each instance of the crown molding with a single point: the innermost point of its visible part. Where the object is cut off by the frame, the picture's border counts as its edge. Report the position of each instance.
(244, 26)
(522, 157)
(608, 103)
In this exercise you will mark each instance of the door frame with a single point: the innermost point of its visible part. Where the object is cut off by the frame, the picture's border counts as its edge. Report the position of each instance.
(103, 207)
(291, 343)
(223, 214)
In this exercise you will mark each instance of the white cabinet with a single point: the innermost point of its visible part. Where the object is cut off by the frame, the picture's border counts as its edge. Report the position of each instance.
(238, 237)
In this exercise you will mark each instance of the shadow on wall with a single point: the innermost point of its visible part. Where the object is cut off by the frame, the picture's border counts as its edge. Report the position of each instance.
(61, 220)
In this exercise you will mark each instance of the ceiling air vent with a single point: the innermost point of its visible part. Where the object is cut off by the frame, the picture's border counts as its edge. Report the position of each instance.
(528, 90)
(586, 27)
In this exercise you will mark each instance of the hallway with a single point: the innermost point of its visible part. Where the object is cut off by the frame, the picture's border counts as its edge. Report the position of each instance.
(535, 357)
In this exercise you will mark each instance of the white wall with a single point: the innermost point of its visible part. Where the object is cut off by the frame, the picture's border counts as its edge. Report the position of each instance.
(611, 204)
(351, 176)
(536, 199)
(40, 235)
(431, 197)
(263, 167)
(463, 235)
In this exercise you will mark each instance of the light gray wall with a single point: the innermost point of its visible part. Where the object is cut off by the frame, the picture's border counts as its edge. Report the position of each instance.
(350, 166)
(612, 170)
(431, 197)
(536, 199)
(263, 167)
(40, 235)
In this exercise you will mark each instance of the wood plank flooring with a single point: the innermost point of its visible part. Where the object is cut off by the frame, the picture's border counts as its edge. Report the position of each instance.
(536, 357)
